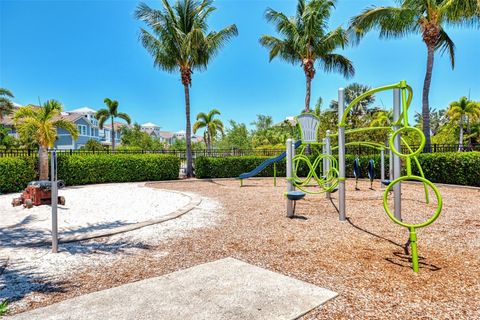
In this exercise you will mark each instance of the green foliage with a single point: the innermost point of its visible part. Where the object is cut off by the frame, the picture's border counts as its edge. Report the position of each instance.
(88, 169)
(181, 144)
(212, 126)
(266, 133)
(453, 168)
(6, 105)
(15, 173)
(232, 167)
(93, 145)
(461, 168)
(3, 307)
(136, 139)
(237, 136)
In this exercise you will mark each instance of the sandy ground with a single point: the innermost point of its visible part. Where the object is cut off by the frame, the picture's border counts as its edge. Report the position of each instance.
(118, 203)
(363, 259)
(25, 271)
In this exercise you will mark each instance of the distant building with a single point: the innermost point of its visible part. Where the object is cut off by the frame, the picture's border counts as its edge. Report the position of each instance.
(151, 129)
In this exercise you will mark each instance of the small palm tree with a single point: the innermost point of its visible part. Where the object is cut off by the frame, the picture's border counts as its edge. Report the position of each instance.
(306, 40)
(180, 41)
(42, 124)
(111, 113)
(6, 106)
(212, 126)
(382, 118)
(459, 110)
(425, 17)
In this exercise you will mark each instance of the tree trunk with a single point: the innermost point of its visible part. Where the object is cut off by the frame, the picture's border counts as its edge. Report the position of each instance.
(460, 142)
(112, 132)
(43, 163)
(188, 135)
(426, 92)
(308, 93)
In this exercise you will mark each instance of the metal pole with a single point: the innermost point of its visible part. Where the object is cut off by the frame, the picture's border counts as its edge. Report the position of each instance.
(382, 167)
(397, 188)
(289, 165)
(390, 164)
(328, 151)
(341, 156)
(53, 175)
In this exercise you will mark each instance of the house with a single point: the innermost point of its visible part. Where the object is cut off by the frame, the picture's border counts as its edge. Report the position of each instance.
(106, 133)
(86, 131)
(152, 129)
(167, 137)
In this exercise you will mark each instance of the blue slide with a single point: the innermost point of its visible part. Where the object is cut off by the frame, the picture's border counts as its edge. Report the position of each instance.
(267, 162)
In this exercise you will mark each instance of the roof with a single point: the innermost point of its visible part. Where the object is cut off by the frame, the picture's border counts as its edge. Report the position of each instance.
(84, 110)
(117, 125)
(166, 134)
(149, 124)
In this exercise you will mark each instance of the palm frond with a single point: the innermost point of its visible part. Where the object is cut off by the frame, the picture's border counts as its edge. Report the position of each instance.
(337, 62)
(124, 116)
(445, 44)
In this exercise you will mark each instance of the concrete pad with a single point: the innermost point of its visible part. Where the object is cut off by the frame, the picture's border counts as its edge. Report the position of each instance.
(223, 289)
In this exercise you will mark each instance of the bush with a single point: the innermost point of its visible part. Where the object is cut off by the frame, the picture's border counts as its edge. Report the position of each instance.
(89, 169)
(453, 168)
(15, 173)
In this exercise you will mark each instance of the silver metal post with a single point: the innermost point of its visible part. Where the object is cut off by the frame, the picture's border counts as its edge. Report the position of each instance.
(289, 164)
(324, 161)
(328, 151)
(382, 167)
(390, 164)
(53, 175)
(397, 188)
(341, 156)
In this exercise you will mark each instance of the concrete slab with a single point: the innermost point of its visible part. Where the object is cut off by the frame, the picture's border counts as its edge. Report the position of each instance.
(222, 289)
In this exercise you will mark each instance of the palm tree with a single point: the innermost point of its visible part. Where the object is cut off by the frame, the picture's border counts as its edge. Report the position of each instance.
(427, 17)
(6, 106)
(111, 113)
(42, 123)
(212, 126)
(306, 40)
(180, 41)
(459, 111)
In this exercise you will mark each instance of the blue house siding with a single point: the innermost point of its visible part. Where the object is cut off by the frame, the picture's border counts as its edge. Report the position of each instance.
(86, 132)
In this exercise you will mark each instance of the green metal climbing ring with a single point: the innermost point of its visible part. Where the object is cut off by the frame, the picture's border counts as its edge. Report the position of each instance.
(328, 184)
(403, 155)
(425, 182)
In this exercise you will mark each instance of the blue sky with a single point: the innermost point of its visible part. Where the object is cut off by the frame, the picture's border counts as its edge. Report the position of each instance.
(80, 52)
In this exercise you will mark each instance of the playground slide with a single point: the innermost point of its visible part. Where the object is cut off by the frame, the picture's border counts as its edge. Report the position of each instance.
(266, 163)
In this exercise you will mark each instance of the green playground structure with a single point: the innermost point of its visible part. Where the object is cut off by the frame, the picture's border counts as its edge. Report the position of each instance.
(332, 178)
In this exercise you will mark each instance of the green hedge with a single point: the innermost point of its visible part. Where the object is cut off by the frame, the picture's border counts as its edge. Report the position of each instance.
(452, 168)
(89, 169)
(461, 168)
(15, 173)
(232, 167)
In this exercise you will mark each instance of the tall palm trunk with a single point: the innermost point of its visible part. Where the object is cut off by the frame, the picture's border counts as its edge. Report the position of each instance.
(426, 92)
(308, 93)
(113, 135)
(189, 171)
(309, 69)
(43, 162)
(460, 142)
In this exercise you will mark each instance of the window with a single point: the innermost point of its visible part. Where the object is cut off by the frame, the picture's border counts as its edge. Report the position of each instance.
(82, 129)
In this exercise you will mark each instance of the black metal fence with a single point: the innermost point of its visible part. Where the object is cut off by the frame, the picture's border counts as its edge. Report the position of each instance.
(360, 150)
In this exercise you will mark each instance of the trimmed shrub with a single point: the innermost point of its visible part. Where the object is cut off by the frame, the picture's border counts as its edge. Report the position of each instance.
(453, 167)
(90, 169)
(232, 167)
(15, 173)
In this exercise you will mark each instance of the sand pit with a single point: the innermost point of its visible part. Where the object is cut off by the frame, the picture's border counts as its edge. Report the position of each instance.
(26, 270)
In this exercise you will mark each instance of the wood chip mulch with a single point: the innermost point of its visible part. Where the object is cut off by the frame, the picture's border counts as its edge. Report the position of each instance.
(363, 259)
